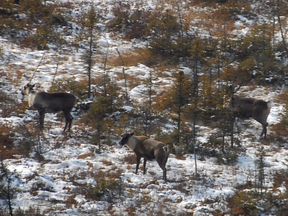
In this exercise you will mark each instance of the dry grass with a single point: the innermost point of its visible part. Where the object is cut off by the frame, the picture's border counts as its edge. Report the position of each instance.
(19, 74)
(114, 173)
(68, 5)
(107, 163)
(71, 201)
(129, 158)
(83, 156)
(282, 98)
(208, 21)
(280, 129)
(130, 58)
(90, 164)
(180, 157)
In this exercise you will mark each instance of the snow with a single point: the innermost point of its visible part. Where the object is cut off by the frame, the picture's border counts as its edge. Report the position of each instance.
(183, 193)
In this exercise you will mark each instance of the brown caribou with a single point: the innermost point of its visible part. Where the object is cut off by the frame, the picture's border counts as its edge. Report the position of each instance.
(45, 102)
(148, 149)
(246, 108)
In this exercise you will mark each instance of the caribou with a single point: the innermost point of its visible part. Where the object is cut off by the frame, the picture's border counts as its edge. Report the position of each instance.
(45, 102)
(148, 149)
(246, 108)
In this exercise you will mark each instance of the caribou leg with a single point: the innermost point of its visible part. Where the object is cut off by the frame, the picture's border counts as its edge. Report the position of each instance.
(138, 162)
(145, 160)
(68, 120)
(264, 126)
(164, 175)
(41, 118)
(264, 130)
(162, 166)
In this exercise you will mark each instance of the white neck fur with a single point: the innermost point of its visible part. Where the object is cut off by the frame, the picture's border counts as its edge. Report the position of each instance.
(31, 97)
(132, 142)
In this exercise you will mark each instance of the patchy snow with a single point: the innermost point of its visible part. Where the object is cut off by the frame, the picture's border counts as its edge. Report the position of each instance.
(63, 167)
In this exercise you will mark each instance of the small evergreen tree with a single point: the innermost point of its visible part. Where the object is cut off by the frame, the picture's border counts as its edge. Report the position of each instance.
(233, 78)
(163, 27)
(279, 6)
(99, 115)
(78, 88)
(260, 165)
(146, 106)
(7, 191)
(258, 53)
(172, 103)
(181, 95)
(89, 21)
(197, 58)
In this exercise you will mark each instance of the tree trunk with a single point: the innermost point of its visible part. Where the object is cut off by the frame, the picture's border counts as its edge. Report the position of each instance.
(90, 63)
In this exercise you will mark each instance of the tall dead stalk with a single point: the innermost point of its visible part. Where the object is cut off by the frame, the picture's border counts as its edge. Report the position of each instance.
(124, 74)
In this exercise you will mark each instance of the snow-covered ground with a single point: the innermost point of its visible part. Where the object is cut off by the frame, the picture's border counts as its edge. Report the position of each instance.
(70, 160)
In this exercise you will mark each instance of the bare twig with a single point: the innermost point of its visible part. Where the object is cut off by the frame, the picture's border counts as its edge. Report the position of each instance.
(124, 74)
(37, 67)
(56, 69)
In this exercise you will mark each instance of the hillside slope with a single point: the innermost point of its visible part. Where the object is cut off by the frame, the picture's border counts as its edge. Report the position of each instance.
(86, 171)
